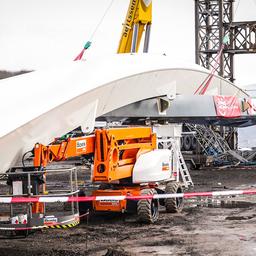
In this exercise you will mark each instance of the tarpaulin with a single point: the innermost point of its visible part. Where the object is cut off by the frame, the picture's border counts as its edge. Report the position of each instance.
(227, 106)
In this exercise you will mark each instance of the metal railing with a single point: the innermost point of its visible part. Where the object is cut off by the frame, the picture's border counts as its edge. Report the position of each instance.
(34, 184)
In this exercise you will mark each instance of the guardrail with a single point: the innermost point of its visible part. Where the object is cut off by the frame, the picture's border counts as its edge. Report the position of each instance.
(33, 213)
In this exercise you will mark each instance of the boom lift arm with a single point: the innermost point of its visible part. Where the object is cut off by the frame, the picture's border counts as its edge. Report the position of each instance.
(114, 151)
(139, 16)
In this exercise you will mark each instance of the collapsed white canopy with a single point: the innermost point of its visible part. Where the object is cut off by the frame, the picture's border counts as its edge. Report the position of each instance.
(41, 105)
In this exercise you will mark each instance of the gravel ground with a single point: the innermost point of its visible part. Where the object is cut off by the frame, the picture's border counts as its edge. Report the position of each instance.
(210, 228)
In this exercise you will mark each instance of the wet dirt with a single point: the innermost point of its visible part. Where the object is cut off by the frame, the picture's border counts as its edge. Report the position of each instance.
(204, 228)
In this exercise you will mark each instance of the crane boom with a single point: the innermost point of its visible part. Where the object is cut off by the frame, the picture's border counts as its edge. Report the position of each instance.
(139, 16)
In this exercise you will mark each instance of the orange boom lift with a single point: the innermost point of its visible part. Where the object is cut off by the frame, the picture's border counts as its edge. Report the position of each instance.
(115, 153)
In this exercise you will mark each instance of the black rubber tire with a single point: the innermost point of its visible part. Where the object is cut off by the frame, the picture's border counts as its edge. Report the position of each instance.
(194, 143)
(181, 143)
(187, 140)
(174, 205)
(147, 209)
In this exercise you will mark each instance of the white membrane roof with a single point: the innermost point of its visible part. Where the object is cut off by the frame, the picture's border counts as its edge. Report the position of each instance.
(38, 106)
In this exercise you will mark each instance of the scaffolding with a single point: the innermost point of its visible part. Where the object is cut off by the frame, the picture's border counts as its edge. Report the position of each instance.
(213, 144)
(214, 20)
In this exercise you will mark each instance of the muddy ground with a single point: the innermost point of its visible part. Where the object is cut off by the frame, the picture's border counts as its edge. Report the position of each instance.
(201, 229)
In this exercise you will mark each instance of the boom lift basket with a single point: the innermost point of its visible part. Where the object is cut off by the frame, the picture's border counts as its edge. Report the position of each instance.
(21, 218)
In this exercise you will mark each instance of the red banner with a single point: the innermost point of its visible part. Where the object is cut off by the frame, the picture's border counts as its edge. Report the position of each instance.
(227, 106)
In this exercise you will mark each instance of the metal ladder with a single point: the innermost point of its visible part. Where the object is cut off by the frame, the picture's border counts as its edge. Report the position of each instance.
(169, 143)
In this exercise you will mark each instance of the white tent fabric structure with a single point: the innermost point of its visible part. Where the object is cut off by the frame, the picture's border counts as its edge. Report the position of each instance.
(41, 105)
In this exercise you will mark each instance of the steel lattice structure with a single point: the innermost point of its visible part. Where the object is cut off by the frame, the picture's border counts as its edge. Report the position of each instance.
(214, 20)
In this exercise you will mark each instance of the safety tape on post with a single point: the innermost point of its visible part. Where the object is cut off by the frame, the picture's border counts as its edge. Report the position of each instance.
(47, 199)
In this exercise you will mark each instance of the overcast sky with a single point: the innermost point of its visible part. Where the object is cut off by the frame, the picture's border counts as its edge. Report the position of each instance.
(36, 34)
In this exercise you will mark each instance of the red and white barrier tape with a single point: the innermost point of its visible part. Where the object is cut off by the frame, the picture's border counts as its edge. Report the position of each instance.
(22, 229)
(47, 199)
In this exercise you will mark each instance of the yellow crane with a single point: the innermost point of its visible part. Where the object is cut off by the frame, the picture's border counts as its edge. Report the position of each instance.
(138, 19)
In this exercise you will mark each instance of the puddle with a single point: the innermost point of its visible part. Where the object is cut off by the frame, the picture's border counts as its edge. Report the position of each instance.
(218, 203)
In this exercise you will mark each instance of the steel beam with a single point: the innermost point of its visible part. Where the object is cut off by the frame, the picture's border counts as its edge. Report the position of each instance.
(214, 20)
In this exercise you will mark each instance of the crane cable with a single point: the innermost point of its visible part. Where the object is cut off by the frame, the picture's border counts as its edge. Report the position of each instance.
(89, 42)
(206, 83)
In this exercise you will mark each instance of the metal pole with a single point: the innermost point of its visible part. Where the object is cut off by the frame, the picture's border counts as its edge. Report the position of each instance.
(11, 208)
(71, 189)
(77, 205)
(29, 194)
(147, 38)
(207, 43)
(29, 184)
(196, 33)
(232, 69)
(231, 55)
(221, 32)
(44, 189)
(134, 38)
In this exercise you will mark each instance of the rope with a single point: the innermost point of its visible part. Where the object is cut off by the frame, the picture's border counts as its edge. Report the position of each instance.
(101, 20)
(205, 84)
(89, 42)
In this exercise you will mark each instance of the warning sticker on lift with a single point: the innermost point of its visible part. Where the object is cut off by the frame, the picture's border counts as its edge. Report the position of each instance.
(108, 202)
(50, 220)
(165, 167)
(80, 146)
